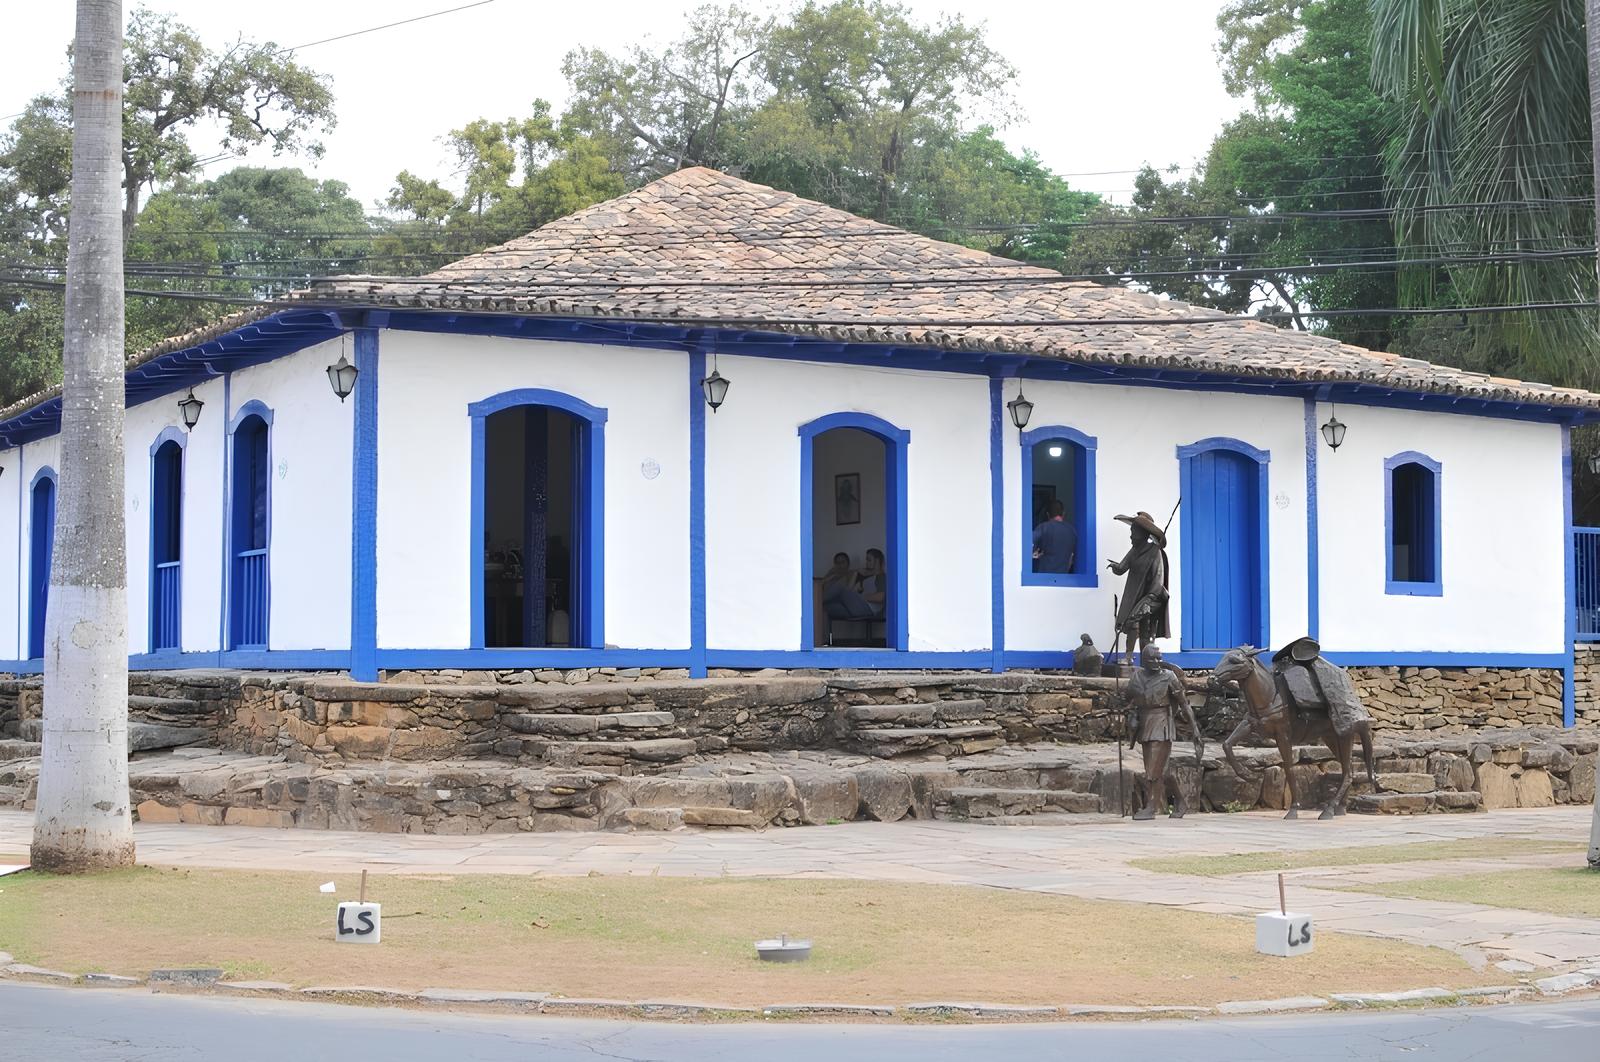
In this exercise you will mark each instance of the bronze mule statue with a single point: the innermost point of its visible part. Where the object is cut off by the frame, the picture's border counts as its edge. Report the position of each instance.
(1303, 699)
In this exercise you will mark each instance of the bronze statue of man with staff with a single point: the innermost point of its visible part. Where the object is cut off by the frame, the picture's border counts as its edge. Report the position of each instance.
(1142, 615)
(1156, 694)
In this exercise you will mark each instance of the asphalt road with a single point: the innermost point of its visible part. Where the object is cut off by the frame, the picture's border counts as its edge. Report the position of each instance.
(39, 1022)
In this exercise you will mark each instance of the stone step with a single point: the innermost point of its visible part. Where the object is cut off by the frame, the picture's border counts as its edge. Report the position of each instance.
(1416, 803)
(609, 753)
(18, 749)
(919, 714)
(980, 803)
(953, 740)
(568, 723)
(169, 707)
(142, 737)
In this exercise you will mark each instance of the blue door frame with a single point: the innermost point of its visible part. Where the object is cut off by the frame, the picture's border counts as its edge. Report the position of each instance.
(1219, 605)
(41, 551)
(896, 441)
(588, 547)
(166, 540)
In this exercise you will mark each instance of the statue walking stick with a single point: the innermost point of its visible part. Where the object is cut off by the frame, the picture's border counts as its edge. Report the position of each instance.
(1122, 713)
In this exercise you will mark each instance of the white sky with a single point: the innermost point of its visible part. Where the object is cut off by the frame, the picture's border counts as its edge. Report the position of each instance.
(1102, 86)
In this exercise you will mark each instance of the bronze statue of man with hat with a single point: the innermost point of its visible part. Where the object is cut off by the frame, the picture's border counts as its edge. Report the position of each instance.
(1142, 613)
(1156, 696)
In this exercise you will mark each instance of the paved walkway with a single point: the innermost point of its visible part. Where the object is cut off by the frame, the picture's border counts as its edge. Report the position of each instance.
(1087, 857)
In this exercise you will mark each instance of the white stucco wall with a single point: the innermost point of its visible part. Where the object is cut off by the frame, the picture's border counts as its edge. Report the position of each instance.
(425, 483)
(1502, 549)
(753, 498)
(10, 551)
(1138, 431)
(309, 451)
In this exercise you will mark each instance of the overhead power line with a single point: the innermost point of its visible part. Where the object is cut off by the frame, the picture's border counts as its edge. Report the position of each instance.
(386, 25)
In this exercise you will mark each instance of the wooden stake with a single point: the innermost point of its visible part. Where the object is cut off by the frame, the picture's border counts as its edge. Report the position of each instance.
(364, 886)
(1282, 909)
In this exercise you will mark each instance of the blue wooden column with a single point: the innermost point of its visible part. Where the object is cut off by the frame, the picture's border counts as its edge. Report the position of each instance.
(1313, 562)
(697, 513)
(1569, 626)
(364, 511)
(997, 530)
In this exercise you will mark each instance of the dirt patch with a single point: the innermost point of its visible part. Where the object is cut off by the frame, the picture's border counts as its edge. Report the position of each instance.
(1362, 855)
(686, 939)
(1572, 891)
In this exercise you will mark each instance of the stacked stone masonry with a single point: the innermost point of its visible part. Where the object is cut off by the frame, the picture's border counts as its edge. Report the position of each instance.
(469, 752)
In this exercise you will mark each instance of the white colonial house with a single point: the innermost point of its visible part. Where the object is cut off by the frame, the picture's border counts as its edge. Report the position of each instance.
(528, 472)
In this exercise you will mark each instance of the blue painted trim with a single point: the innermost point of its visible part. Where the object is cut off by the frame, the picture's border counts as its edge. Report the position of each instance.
(1569, 668)
(1313, 527)
(267, 660)
(997, 526)
(1417, 587)
(364, 511)
(1086, 505)
(252, 408)
(22, 576)
(697, 515)
(896, 443)
(226, 493)
(1262, 458)
(173, 434)
(478, 659)
(591, 545)
(38, 620)
(875, 659)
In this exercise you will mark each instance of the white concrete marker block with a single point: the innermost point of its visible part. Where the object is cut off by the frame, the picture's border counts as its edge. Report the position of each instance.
(359, 923)
(1284, 935)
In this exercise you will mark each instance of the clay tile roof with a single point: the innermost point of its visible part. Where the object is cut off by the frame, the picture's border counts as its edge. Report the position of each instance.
(700, 247)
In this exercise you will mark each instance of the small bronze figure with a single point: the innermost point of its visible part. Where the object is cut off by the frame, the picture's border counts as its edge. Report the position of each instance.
(1304, 698)
(1142, 615)
(1156, 694)
(1086, 659)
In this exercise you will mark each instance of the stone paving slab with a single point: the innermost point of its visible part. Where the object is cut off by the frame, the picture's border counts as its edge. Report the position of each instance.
(1090, 861)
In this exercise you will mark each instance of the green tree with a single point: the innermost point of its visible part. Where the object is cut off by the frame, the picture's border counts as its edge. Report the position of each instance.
(1492, 104)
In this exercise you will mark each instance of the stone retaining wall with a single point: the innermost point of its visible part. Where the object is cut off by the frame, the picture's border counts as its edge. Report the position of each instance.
(1453, 700)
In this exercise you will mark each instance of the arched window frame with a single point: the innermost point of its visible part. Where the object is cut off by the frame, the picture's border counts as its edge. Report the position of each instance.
(36, 607)
(592, 623)
(1433, 587)
(181, 438)
(896, 444)
(251, 409)
(1085, 573)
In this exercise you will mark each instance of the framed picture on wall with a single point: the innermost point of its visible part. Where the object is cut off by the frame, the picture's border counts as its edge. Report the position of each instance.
(847, 498)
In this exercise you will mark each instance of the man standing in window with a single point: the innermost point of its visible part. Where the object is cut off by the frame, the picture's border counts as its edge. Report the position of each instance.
(1055, 542)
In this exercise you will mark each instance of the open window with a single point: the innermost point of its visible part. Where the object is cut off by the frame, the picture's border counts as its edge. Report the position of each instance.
(166, 544)
(1058, 518)
(1412, 525)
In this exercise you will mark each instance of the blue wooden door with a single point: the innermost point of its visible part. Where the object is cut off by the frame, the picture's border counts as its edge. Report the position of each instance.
(1222, 575)
(41, 547)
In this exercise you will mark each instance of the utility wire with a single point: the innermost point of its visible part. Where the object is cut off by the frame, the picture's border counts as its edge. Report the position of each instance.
(386, 25)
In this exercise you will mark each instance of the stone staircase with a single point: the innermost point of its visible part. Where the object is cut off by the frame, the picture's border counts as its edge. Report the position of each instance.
(933, 728)
(616, 739)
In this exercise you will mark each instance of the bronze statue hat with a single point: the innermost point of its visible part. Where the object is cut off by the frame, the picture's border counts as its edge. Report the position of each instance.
(1301, 650)
(1144, 521)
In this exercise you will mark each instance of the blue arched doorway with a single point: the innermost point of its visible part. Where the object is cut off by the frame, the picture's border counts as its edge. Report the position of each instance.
(41, 550)
(166, 540)
(537, 550)
(853, 475)
(250, 527)
(1224, 548)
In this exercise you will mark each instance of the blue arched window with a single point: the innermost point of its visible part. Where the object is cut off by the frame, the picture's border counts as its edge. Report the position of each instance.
(1411, 525)
(166, 540)
(41, 549)
(1058, 525)
(249, 528)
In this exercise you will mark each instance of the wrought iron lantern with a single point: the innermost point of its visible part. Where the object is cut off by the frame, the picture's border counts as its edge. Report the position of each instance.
(189, 409)
(1021, 410)
(715, 388)
(342, 376)
(1333, 431)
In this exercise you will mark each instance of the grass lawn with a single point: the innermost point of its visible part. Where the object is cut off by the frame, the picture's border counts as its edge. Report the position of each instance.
(685, 939)
(1247, 862)
(1571, 891)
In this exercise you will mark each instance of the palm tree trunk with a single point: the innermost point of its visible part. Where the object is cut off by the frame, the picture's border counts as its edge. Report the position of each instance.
(1592, 30)
(82, 821)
